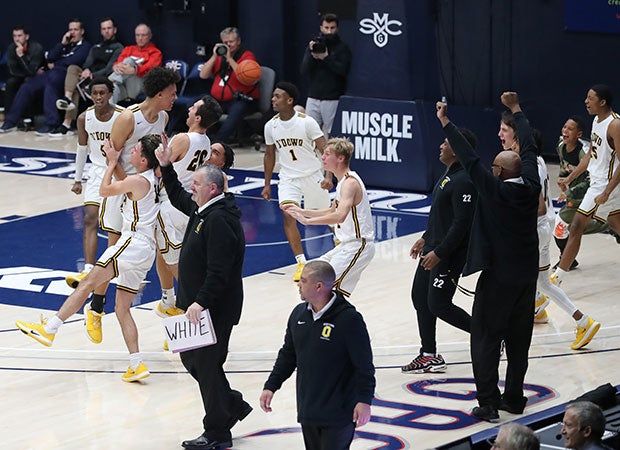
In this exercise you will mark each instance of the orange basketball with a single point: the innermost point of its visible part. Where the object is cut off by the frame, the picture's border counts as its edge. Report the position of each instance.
(248, 72)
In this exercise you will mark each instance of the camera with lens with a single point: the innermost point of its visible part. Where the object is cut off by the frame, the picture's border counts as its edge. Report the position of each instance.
(238, 95)
(319, 45)
(221, 50)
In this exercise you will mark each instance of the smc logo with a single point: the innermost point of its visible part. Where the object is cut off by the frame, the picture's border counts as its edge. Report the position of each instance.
(380, 26)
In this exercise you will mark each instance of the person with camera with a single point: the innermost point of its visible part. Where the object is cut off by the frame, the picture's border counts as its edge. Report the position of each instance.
(326, 63)
(236, 99)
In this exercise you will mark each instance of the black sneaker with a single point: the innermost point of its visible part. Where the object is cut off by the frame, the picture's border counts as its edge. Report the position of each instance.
(573, 266)
(60, 131)
(7, 127)
(486, 413)
(65, 104)
(512, 409)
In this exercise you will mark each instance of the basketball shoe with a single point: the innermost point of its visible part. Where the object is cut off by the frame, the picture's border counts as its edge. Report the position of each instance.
(583, 335)
(164, 310)
(425, 364)
(540, 314)
(74, 279)
(140, 373)
(92, 322)
(37, 331)
(297, 274)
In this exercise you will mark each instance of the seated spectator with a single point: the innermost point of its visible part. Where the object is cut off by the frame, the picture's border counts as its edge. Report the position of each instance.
(98, 64)
(514, 436)
(133, 64)
(72, 49)
(226, 87)
(24, 59)
(583, 426)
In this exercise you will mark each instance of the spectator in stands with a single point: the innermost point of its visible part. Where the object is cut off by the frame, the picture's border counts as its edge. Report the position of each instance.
(583, 426)
(326, 63)
(133, 64)
(98, 64)
(72, 49)
(236, 99)
(24, 59)
(514, 436)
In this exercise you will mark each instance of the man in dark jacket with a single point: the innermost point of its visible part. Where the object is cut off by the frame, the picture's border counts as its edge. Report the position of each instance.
(504, 246)
(72, 49)
(327, 341)
(326, 63)
(443, 247)
(210, 277)
(24, 58)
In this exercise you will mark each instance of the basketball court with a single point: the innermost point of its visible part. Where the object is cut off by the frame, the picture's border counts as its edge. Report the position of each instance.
(71, 396)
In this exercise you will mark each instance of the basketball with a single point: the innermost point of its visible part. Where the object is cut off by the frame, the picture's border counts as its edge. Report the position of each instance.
(248, 72)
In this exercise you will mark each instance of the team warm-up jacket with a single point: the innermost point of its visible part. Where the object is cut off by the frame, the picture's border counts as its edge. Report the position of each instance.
(452, 210)
(504, 237)
(334, 363)
(211, 259)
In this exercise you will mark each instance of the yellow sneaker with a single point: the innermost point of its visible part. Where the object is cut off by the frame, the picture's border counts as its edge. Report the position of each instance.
(554, 279)
(585, 334)
(36, 331)
(74, 279)
(297, 274)
(140, 373)
(92, 322)
(167, 311)
(540, 315)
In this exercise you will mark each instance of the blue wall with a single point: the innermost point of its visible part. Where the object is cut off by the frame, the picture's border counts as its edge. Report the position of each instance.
(469, 50)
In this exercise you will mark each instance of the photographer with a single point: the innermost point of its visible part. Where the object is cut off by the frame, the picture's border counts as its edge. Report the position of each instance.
(326, 63)
(236, 99)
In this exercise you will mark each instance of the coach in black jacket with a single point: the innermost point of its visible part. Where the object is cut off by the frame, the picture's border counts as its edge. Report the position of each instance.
(327, 341)
(210, 277)
(504, 246)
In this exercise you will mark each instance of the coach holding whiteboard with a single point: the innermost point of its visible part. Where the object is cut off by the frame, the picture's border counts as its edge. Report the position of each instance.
(210, 277)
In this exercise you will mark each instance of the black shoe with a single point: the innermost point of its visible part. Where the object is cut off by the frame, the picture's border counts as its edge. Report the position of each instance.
(574, 265)
(486, 413)
(65, 104)
(512, 409)
(61, 130)
(239, 415)
(202, 443)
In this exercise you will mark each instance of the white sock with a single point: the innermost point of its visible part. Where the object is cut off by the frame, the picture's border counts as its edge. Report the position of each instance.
(167, 297)
(583, 321)
(52, 325)
(134, 360)
(301, 259)
(88, 267)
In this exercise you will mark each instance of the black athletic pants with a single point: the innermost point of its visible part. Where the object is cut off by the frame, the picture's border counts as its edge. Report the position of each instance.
(432, 294)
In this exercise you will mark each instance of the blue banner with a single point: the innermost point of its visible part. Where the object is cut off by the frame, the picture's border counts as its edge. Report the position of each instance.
(602, 16)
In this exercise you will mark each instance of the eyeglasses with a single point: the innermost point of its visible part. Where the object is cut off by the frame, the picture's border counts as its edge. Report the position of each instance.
(493, 441)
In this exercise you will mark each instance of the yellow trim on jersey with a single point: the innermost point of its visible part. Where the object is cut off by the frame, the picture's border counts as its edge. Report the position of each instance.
(612, 160)
(135, 109)
(101, 214)
(289, 202)
(588, 213)
(91, 204)
(136, 217)
(542, 269)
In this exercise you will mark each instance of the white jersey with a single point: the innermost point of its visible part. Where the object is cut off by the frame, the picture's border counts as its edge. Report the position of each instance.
(358, 224)
(98, 132)
(140, 216)
(198, 152)
(543, 174)
(294, 141)
(603, 162)
(141, 128)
